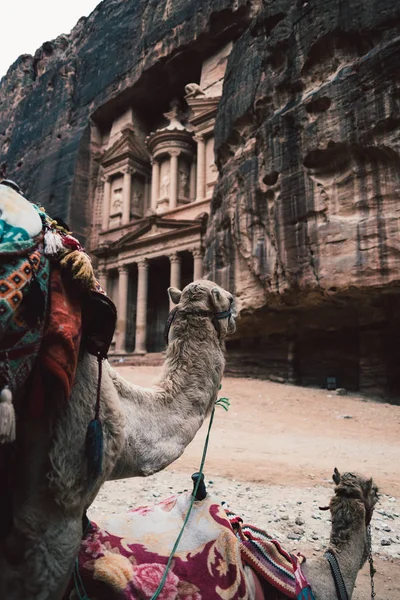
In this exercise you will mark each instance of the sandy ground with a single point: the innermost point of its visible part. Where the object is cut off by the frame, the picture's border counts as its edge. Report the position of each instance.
(272, 456)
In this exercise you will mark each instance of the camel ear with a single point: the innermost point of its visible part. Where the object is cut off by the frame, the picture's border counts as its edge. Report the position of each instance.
(368, 486)
(174, 294)
(336, 476)
(216, 297)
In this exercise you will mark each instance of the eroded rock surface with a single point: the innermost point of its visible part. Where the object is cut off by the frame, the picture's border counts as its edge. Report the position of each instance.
(47, 100)
(304, 224)
(306, 209)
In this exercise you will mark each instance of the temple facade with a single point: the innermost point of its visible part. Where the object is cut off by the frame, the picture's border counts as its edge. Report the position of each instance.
(151, 197)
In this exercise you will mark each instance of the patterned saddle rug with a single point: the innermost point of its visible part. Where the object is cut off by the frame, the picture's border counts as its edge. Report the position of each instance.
(49, 300)
(210, 563)
(24, 283)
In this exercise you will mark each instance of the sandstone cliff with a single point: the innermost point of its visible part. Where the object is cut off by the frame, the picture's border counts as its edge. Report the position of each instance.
(46, 100)
(305, 217)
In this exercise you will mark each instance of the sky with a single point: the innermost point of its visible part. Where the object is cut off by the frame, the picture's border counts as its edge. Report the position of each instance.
(27, 24)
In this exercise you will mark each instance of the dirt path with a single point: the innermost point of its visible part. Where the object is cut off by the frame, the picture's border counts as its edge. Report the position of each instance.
(272, 455)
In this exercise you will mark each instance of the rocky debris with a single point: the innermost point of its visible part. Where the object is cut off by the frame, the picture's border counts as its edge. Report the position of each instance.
(292, 520)
(341, 392)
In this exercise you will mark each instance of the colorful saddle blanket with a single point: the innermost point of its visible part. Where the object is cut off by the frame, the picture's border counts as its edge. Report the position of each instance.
(209, 563)
(42, 312)
(24, 281)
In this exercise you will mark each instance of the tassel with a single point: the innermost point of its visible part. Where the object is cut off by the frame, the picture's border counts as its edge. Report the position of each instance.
(53, 244)
(7, 416)
(306, 594)
(94, 436)
(81, 268)
(34, 303)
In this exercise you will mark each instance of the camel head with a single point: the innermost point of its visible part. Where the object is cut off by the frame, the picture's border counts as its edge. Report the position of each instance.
(352, 505)
(204, 295)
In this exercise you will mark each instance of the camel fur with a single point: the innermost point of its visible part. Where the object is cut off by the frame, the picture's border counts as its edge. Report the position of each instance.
(145, 429)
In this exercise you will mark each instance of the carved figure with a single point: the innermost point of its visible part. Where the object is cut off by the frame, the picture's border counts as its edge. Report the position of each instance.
(165, 186)
(193, 90)
(183, 183)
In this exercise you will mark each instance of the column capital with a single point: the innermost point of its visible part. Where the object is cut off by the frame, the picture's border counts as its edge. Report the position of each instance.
(174, 152)
(102, 271)
(143, 264)
(123, 269)
(175, 257)
(106, 178)
(199, 137)
(198, 252)
(128, 170)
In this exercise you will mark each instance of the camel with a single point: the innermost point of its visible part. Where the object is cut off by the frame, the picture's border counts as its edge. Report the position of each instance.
(145, 429)
(217, 556)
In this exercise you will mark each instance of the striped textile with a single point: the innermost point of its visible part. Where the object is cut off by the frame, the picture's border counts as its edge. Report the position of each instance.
(266, 556)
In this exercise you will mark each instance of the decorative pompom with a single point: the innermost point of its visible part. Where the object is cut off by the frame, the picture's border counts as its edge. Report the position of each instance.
(94, 450)
(7, 417)
(71, 243)
(53, 244)
(80, 266)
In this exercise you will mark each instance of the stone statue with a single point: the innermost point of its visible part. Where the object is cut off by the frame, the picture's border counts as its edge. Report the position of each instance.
(165, 186)
(183, 183)
(117, 200)
(137, 197)
(193, 90)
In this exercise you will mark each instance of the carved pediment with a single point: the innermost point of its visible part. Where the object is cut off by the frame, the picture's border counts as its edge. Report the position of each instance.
(203, 108)
(126, 146)
(153, 226)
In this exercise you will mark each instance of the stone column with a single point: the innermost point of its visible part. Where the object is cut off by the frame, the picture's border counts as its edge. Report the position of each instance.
(155, 184)
(175, 273)
(141, 307)
(126, 195)
(123, 281)
(173, 176)
(192, 193)
(201, 167)
(106, 202)
(103, 278)
(197, 264)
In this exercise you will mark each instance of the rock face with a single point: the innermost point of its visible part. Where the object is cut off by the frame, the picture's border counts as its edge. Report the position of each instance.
(305, 218)
(124, 50)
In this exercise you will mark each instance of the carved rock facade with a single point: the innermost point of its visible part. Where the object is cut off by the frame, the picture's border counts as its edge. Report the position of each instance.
(304, 220)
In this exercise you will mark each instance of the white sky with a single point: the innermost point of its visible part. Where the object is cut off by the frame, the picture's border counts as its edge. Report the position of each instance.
(27, 24)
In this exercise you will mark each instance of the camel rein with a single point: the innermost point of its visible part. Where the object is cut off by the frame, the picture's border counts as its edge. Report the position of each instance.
(330, 556)
(214, 316)
(79, 586)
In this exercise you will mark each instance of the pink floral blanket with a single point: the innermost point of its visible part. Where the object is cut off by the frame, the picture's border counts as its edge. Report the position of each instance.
(211, 562)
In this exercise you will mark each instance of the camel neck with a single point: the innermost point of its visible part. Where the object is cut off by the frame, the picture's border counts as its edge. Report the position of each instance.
(194, 355)
(349, 544)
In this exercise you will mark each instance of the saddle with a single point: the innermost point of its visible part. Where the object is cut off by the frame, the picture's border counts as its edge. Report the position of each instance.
(51, 305)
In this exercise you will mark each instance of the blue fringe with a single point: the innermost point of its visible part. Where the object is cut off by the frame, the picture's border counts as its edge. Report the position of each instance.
(94, 450)
(306, 594)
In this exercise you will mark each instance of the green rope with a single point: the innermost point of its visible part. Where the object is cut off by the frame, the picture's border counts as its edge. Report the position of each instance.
(224, 402)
